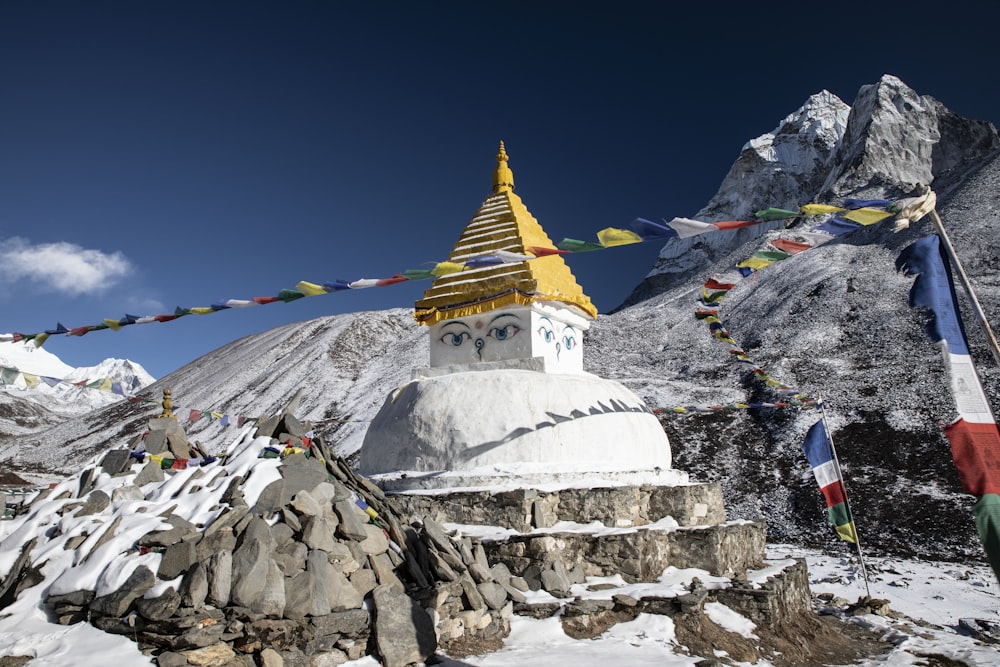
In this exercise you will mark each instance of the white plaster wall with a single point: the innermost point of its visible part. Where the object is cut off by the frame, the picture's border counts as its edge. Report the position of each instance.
(514, 419)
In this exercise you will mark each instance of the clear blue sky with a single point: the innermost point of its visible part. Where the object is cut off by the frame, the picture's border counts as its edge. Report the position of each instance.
(162, 154)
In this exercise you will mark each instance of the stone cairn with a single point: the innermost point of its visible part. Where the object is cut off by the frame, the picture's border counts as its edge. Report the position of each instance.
(324, 568)
(319, 571)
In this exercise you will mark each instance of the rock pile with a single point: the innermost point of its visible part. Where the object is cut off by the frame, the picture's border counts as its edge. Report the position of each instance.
(273, 550)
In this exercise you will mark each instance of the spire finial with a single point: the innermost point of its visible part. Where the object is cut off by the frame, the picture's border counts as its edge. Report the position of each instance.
(503, 177)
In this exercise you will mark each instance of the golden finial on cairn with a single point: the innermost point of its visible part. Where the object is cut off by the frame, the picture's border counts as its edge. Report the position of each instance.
(167, 404)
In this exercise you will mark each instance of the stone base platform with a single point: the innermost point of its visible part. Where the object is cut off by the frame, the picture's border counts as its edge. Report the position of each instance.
(526, 509)
(637, 554)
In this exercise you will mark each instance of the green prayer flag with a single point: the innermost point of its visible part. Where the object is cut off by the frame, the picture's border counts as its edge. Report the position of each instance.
(573, 245)
(287, 295)
(987, 514)
(769, 214)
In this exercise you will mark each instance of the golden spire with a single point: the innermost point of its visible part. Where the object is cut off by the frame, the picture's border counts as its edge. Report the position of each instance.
(503, 177)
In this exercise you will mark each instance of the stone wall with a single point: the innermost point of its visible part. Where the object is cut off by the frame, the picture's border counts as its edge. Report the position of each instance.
(615, 507)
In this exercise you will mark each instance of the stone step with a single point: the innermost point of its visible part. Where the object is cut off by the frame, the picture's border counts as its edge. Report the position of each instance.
(525, 509)
(638, 554)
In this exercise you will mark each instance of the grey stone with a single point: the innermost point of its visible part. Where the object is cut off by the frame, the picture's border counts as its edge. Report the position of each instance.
(305, 505)
(219, 540)
(176, 560)
(301, 473)
(116, 461)
(330, 492)
(219, 569)
(384, 572)
(294, 427)
(149, 474)
(266, 425)
(291, 557)
(194, 587)
(165, 538)
(251, 563)
(352, 622)
(271, 658)
(291, 520)
(282, 533)
(556, 582)
(96, 502)
(86, 483)
(178, 445)
(156, 442)
(473, 598)
(117, 603)
(76, 598)
(494, 595)
(363, 580)
(171, 659)
(500, 573)
(271, 600)
(352, 525)
(341, 593)
(318, 532)
(159, 608)
(520, 584)
(403, 631)
(480, 573)
(375, 541)
(305, 597)
(200, 637)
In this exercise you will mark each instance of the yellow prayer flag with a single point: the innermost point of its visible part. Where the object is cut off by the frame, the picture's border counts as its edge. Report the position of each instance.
(444, 268)
(755, 263)
(612, 236)
(113, 324)
(105, 384)
(30, 380)
(867, 216)
(819, 209)
(202, 310)
(309, 289)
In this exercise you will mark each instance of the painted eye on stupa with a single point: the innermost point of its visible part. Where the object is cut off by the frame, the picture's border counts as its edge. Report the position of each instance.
(569, 342)
(503, 333)
(547, 334)
(455, 339)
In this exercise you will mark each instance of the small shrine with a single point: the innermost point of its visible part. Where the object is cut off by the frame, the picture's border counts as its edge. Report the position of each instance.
(505, 399)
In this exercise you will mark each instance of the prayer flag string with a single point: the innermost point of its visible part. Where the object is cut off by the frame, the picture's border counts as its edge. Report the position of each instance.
(852, 215)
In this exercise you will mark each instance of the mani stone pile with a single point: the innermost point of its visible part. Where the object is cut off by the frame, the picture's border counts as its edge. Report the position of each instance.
(318, 571)
(278, 554)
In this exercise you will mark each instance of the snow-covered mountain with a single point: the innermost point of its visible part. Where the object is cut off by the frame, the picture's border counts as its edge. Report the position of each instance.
(40, 390)
(833, 321)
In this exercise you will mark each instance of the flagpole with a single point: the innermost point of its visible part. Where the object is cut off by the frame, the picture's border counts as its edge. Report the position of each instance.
(843, 480)
(990, 336)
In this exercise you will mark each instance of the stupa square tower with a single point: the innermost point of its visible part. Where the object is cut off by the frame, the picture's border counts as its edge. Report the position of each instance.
(505, 399)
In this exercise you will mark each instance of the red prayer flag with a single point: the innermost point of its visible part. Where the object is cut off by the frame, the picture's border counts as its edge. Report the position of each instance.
(791, 247)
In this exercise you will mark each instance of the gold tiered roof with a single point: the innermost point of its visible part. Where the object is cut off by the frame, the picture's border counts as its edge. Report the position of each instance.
(502, 223)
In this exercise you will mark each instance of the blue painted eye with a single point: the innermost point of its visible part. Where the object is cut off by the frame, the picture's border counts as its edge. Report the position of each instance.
(547, 334)
(503, 333)
(455, 339)
(569, 342)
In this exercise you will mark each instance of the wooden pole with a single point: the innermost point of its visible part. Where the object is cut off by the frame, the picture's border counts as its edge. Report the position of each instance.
(840, 474)
(980, 313)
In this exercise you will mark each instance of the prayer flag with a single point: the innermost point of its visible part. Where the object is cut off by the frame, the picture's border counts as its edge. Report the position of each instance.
(838, 227)
(973, 436)
(819, 452)
(867, 216)
(819, 209)
(771, 214)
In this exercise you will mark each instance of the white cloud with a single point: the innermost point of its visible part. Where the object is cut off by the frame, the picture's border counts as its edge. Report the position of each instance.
(61, 267)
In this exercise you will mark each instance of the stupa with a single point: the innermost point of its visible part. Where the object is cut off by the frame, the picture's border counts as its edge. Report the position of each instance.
(505, 399)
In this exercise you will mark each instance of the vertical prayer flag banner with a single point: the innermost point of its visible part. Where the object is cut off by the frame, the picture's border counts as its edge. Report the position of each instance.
(974, 437)
(819, 452)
